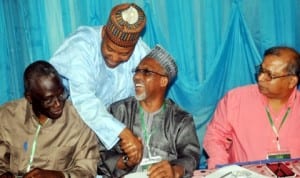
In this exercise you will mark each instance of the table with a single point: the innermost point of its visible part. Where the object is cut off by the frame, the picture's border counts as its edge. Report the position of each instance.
(258, 167)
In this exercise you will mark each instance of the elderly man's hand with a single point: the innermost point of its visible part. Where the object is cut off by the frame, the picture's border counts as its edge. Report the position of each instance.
(166, 170)
(132, 146)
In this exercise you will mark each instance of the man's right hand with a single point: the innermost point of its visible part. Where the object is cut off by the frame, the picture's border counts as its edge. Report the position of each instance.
(132, 146)
(43, 173)
(7, 175)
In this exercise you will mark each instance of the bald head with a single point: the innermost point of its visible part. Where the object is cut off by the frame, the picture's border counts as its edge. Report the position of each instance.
(289, 54)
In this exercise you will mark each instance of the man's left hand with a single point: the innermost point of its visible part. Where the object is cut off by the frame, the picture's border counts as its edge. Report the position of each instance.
(41, 173)
(166, 170)
(132, 146)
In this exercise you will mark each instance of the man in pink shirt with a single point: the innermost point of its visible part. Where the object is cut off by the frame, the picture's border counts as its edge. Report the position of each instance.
(260, 121)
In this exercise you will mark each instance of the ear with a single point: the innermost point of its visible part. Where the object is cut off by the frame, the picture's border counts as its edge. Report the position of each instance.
(293, 81)
(164, 81)
(28, 97)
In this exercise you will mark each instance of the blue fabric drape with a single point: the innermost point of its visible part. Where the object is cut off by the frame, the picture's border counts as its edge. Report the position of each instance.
(216, 44)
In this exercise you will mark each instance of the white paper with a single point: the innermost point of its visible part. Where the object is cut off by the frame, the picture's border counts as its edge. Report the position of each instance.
(137, 175)
(234, 171)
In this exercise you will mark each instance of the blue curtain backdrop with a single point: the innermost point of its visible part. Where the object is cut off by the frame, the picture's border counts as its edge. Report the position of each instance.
(216, 43)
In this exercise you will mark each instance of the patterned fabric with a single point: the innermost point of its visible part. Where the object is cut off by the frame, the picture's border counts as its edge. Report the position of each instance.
(173, 136)
(125, 23)
(165, 60)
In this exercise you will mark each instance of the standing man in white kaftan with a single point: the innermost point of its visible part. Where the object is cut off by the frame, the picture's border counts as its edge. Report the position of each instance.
(96, 63)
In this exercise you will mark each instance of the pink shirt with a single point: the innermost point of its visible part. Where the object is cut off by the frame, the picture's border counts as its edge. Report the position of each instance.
(241, 117)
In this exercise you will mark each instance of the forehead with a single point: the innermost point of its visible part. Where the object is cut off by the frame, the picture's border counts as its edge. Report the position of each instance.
(275, 63)
(150, 63)
(280, 57)
(45, 84)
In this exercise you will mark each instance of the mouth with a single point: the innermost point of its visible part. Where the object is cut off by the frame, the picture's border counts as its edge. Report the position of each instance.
(261, 88)
(110, 64)
(58, 111)
(139, 87)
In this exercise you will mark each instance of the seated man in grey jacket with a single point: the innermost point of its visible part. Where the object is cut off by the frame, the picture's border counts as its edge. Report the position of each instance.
(42, 135)
(171, 146)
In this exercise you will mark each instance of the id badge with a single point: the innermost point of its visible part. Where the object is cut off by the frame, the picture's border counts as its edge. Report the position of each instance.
(147, 162)
(280, 170)
(284, 154)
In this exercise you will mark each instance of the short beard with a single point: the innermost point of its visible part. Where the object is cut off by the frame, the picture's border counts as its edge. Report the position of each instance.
(141, 96)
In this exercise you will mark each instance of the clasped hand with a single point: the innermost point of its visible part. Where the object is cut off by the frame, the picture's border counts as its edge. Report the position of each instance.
(132, 147)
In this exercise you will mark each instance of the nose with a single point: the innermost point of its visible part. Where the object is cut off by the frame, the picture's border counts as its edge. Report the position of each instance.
(261, 77)
(117, 58)
(137, 76)
(56, 102)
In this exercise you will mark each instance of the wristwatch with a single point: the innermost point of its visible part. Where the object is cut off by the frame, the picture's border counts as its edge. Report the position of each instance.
(125, 161)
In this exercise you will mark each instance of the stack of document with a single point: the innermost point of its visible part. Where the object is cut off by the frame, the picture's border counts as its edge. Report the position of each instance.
(137, 175)
(234, 171)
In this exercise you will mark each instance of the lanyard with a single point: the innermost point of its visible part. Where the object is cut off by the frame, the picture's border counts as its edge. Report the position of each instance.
(275, 130)
(33, 149)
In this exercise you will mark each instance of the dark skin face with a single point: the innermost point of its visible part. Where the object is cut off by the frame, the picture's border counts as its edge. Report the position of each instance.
(114, 54)
(150, 88)
(46, 97)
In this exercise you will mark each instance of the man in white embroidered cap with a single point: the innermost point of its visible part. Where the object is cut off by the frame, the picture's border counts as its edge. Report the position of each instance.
(95, 64)
(171, 147)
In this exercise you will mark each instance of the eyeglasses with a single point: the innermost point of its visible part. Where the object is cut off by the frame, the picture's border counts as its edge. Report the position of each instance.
(147, 72)
(267, 74)
(60, 98)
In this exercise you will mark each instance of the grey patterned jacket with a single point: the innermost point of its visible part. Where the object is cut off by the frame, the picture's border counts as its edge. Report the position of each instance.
(173, 136)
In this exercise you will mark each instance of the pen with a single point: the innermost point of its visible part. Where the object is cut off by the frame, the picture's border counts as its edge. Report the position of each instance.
(228, 173)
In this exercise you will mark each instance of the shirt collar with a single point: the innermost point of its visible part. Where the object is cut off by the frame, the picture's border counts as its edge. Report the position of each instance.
(29, 113)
